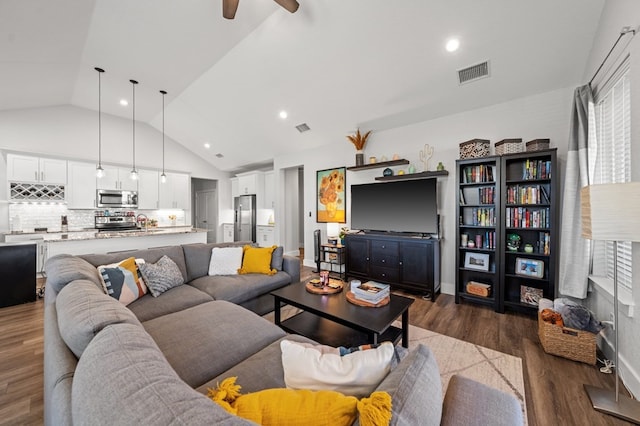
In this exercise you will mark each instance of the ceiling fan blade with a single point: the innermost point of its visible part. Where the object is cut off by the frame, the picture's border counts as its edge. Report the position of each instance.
(229, 8)
(290, 5)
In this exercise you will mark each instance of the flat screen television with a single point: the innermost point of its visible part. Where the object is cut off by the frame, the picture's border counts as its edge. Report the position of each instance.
(404, 206)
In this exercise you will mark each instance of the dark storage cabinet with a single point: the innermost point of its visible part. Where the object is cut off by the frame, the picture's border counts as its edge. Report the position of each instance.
(405, 262)
(18, 269)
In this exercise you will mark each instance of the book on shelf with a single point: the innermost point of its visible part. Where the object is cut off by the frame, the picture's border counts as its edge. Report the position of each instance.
(524, 217)
(371, 291)
(527, 194)
(478, 174)
(536, 169)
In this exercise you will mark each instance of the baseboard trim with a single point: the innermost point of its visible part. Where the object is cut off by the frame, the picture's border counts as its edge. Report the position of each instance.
(630, 377)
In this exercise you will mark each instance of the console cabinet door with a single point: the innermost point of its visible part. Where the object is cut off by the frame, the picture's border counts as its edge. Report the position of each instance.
(415, 264)
(357, 256)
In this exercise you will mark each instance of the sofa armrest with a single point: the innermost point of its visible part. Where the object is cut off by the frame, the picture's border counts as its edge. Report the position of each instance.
(468, 402)
(291, 265)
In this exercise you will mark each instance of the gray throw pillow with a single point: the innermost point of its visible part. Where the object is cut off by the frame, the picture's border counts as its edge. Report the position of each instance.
(276, 258)
(161, 276)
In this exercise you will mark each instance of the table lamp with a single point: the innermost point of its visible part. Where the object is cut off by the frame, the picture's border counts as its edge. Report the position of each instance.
(609, 212)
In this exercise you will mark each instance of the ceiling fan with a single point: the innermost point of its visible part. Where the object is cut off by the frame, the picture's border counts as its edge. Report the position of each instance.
(229, 7)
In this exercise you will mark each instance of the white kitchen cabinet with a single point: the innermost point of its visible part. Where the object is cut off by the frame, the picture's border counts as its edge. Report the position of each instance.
(117, 178)
(227, 232)
(250, 183)
(25, 168)
(175, 193)
(81, 186)
(148, 189)
(269, 197)
(265, 236)
(235, 189)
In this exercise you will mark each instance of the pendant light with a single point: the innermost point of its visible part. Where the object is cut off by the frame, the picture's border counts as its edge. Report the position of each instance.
(134, 173)
(99, 169)
(163, 176)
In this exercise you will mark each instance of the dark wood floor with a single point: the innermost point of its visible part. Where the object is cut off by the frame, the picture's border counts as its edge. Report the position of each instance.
(553, 385)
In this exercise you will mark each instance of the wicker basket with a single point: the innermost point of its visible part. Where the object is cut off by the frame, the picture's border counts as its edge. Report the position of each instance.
(474, 148)
(567, 342)
(537, 145)
(508, 146)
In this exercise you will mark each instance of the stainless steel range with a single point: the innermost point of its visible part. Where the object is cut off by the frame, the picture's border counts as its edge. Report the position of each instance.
(116, 221)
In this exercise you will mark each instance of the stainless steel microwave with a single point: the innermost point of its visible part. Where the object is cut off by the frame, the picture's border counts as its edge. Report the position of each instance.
(117, 199)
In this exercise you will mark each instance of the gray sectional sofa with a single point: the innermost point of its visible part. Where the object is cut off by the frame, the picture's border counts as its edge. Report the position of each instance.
(151, 362)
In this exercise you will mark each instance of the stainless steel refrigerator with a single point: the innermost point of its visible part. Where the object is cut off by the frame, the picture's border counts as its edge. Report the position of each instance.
(244, 218)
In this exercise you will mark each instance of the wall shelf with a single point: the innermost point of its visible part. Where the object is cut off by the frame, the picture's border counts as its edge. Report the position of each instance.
(378, 165)
(420, 175)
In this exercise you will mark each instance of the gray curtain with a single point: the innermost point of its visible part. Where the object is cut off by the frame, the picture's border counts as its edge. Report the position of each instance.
(575, 250)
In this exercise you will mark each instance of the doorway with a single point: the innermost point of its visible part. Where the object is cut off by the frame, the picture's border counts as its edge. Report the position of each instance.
(205, 206)
(294, 210)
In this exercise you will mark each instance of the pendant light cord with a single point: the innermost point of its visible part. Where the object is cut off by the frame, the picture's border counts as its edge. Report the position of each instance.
(163, 93)
(100, 71)
(133, 85)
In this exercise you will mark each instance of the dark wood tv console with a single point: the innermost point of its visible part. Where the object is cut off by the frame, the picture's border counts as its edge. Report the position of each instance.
(409, 263)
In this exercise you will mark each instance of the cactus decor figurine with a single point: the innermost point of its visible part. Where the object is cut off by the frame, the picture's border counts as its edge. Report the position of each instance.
(425, 156)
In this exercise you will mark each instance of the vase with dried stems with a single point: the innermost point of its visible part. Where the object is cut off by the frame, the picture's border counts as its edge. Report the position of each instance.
(359, 140)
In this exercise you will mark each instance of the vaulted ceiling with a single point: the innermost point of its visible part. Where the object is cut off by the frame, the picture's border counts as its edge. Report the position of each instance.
(334, 64)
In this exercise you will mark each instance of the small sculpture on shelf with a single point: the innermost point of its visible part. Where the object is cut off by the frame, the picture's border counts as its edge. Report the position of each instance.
(425, 156)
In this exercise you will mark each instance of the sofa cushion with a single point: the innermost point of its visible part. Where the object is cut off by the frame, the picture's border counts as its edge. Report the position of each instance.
(84, 310)
(203, 341)
(123, 281)
(198, 255)
(466, 398)
(225, 261)
(61, 269)
(173, 300)
(262, 370)
(416, 389)
(257, 260)
(240, 288)
(162, 275)
(123, 378)
(319, 367)
(151, 255)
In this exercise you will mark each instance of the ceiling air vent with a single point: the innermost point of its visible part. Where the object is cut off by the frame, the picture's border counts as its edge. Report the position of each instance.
(219, 155)
(474, 72)
(303, 127)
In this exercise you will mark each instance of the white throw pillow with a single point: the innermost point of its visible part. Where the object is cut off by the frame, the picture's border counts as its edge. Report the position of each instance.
(225, 260)
(356, 374)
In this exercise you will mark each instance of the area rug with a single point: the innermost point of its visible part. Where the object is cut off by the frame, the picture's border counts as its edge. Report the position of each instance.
(495, 369)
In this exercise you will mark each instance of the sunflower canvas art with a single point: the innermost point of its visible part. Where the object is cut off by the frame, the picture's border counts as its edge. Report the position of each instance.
(331, 195)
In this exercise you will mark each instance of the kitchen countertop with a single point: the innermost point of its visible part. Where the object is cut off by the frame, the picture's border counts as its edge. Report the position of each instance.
(93, 234)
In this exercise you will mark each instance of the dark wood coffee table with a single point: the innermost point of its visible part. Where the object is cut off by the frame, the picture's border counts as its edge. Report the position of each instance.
(331, 320)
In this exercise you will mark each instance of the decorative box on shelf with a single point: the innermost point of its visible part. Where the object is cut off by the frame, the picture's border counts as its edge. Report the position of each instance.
(567, 342)
(508, 146)
(537, 145)
(474, 148)
(478, 289)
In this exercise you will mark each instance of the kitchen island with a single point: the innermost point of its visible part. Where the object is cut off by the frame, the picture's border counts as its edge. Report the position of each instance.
(91, 241)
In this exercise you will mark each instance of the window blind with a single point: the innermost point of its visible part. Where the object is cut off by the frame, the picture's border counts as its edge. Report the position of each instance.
(612, 134)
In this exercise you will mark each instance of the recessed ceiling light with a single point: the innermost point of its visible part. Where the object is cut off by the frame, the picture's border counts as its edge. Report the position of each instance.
(283, 114)
(207, 145)
(452, 45)
(124, 102)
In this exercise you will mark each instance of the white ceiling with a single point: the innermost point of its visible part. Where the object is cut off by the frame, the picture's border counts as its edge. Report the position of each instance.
(334, 64)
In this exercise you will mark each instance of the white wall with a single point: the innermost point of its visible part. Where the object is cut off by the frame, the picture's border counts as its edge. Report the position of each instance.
(618, 14)
(72, 132)
(541, 116)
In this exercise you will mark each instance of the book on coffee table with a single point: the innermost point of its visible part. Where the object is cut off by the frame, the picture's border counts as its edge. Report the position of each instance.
(371, 291)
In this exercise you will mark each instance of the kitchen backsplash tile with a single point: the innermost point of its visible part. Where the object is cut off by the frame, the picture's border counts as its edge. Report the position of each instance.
(26, 217)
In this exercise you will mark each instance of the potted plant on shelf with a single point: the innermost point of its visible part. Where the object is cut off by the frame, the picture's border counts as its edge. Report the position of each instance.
(359, 140)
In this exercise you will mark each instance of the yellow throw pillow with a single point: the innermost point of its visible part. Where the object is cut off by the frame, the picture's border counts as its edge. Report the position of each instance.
(257, 260)
(302, 407)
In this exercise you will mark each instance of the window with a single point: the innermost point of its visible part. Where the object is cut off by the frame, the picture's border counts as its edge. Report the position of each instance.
(610, 162)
